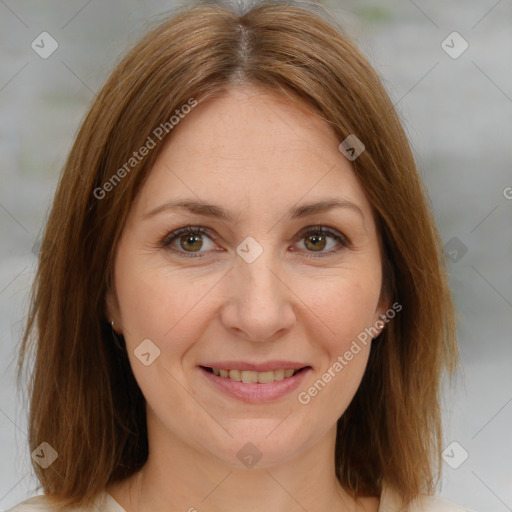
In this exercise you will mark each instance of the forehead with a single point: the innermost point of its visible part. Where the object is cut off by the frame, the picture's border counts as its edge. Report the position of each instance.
(251, 147)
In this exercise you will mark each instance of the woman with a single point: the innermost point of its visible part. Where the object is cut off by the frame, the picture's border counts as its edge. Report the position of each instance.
(240, 301)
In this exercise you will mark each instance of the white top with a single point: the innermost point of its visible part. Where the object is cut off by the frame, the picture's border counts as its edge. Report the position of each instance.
(389, 502)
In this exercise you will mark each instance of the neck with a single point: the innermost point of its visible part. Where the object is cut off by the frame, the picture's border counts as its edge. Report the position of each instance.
(180, 477)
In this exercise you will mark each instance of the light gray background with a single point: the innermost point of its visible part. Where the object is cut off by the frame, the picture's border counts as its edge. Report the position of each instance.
(458, 113)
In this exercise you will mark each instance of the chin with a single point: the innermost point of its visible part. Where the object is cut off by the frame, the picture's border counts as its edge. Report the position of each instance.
(261, 443)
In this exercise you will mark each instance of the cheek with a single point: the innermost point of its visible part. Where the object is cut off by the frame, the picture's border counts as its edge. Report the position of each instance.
(158, 303)
(344, 306)
(343, 310)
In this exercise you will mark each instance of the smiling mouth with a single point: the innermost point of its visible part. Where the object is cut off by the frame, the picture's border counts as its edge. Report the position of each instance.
(248, 376)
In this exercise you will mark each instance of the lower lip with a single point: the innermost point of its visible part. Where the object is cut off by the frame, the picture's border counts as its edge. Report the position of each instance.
(253, 392)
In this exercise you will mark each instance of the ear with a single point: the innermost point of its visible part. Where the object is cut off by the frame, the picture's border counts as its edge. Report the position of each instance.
(112, 311)
(383, 306)
(381, 317)
(385, 311)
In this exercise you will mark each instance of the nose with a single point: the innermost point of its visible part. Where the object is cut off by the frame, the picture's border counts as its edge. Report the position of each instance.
(259, 303)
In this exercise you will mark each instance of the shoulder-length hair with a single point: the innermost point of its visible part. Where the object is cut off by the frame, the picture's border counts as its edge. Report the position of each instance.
(84, 400)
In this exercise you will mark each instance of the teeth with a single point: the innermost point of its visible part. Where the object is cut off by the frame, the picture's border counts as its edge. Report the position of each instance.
(278, 374)
(264, 377)
(235, 375)
(248, 376)
(253, 377)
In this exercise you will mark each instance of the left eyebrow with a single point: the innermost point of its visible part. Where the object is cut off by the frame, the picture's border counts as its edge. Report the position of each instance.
(322, 206)
(211, 210)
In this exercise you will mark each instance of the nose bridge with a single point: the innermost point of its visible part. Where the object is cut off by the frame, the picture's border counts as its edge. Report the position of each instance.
(259, 301)
(256, 268)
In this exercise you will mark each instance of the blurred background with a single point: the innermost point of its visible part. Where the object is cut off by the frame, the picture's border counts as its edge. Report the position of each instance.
(448, 68)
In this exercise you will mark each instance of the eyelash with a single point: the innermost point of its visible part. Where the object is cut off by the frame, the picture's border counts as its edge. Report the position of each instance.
(310, 230)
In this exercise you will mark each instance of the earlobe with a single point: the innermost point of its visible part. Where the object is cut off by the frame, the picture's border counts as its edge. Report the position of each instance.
(382, 310)
(111, 312)
(377, 328)
(109, 306)
(386, 312)
(382, 317)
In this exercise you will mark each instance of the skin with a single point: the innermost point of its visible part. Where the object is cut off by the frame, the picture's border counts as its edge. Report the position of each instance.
(258, 155)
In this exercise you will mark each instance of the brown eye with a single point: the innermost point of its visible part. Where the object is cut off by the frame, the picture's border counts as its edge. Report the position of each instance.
(187, 241)
(315, 242)
(190, 242)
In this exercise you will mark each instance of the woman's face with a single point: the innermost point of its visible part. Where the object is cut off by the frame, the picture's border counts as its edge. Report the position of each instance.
(256, 289)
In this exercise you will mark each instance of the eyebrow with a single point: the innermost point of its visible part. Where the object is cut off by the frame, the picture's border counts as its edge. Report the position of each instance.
(210, 210)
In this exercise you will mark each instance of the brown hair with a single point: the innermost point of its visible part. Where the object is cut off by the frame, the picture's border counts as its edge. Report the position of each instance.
(84, 400)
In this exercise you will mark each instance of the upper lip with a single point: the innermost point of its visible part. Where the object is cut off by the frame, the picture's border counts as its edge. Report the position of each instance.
(256, 367)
